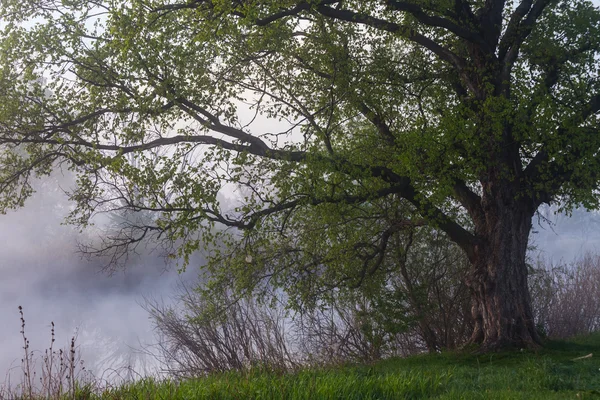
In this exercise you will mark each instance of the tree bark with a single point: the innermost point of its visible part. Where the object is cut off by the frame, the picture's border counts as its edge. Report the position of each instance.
(501, 307)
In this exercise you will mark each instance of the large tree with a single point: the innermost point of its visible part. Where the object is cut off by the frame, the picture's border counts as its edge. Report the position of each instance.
(370, 118)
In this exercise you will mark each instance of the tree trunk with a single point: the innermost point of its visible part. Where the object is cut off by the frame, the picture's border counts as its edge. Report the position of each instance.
(501, 306)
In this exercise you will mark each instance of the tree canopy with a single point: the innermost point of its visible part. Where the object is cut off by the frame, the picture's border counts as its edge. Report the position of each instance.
(342, 124)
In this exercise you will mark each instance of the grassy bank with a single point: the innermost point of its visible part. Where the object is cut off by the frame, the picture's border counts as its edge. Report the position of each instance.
(550, 373)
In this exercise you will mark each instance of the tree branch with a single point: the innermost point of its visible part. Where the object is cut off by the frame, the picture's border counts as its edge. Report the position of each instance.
(516, 35)
(302, 6)
(379, 123)
(512, 28)
(469, 199)
(406, 31)
(559, 174)
(490, 20)
(455, 232)
(464, 13)
(426, 19)
(212, 122)
(380, 252)
(274, 154)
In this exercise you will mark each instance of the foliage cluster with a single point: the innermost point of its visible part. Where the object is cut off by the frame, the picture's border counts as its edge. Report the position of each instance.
(387, 115)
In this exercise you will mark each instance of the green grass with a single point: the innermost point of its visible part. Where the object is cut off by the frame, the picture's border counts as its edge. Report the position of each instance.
(546, 374)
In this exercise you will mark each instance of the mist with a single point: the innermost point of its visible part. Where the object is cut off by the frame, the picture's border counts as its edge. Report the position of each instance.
(561, 238)
(42, 271)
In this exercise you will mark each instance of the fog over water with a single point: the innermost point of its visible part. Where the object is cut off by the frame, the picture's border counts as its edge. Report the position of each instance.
(562, 238)
(41, 271)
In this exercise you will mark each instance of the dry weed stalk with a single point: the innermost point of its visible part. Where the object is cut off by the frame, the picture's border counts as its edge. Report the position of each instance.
(61, 372)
